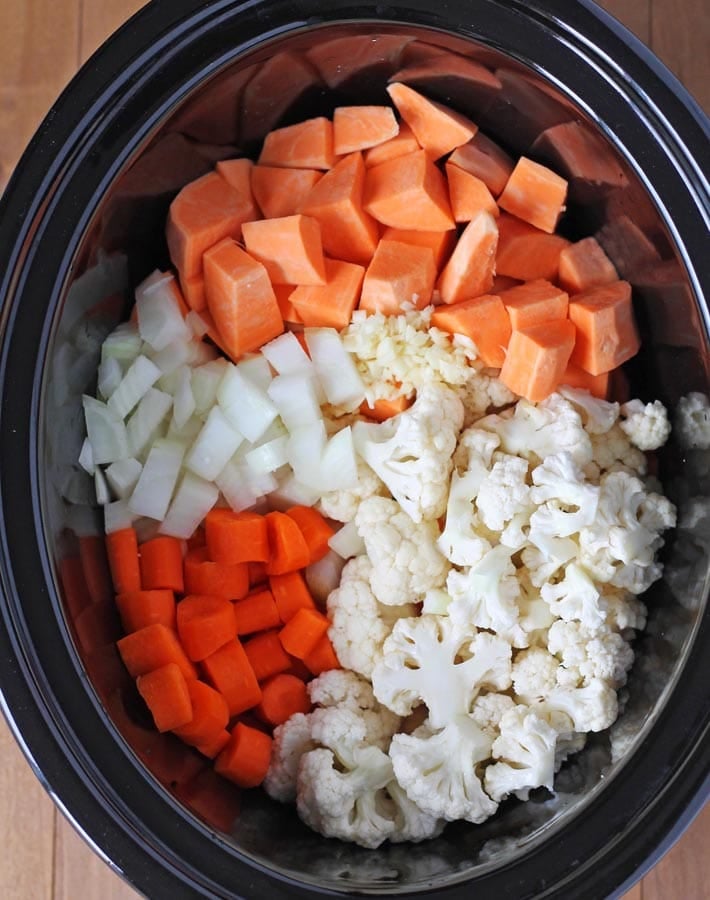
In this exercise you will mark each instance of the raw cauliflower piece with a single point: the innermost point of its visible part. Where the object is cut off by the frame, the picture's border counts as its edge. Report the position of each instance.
(504, 493)
(406, 562)
(343, 504)
(614, 452)
(598, 415)
(592, 707)
(576, 597)
(588, 656)
(566, 503)
(645, 425)
(534, 674)
(411, 452)
(692, 421)
(624, 610)
(488, 710)
(291, 740)
(525, 750)
(481, 393)
(359, 622)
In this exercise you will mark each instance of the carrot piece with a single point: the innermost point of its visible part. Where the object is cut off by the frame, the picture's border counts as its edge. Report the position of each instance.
(408, 192)
(361, 127)
(314, 528)
(503, 282)
(289, 550)
(290, 594)
(256, 612)
(468, 194)
(290, 248)
(266, 655)
(534, 302)
(598, 385)
(205, 624)
(280, 192)
(246, 758)
(606, 330)
(236, 537)
(122, 550)
(152, 647)
(94, 562)
(384, 409)
(97, 626)
(322, 657)
(257, 574)
(399, 276)
(240, 299)
(306, 145)
(73, 582)
(210, 714)
(534, 194)
(230, 672)
(584, 265)
(486, 160)
(161, 564)
(525, 252)
(193, 289)
(140, 608)
(166, 696)
(400, 145)
(284, 293)
(213, 745)
(212, 798)
(282, 696)
(482, 319)
(441, 243)
(438, 129)
(238, 174)
(537, 358)
(330, 304)
(204, 212)
(202, 576)
(302, 632)
(469, 271)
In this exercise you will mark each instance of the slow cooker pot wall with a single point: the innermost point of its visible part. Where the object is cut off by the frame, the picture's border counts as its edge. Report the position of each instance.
(82, 223)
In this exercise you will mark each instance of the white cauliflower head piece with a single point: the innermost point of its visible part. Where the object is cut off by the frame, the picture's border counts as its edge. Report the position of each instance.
(646, 425)
(343, 504)
(525, 750)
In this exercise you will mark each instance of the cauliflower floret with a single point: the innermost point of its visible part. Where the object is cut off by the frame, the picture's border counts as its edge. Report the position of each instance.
(504, 493)
(291, 740)
(544, 561)
(534, 674)
(411, 823)
(481, 393)
(411, 452)
(406, 562)
(646, 426)
(342, 505)
(614, 452)
(589, 656)
(488, 709)
(526, 750)
(598, 415)
(431, 660)
(340, 687)
(359, 622)
(593, 707)
(566, 503)
(576, 597)
(624, 611)
(692, 421)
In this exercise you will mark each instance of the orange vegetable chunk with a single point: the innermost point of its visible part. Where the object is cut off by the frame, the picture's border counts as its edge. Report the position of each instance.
(314, 529)
(230, 672)
(409, 192)
(597, 385)
(438, 129)
(266, 655)
(384, 409)
(245, 760)
(282, 696)
(302, 632)
(584, 265)
(236, 537)
(290, 248)
(441, 243)
(140, 608)
(525, 252)
(399, 275)
(486, 160)
(288, 311)
(469, 195)
(360, 127)
(290, 594)
(606, 330)
(238, 173)
(537, 358)
(400, 145)
(469, 271)
(534, 302)
(256, 612)
(205, 624)
(534, 194)
(166, 695)
(210, 714)
(152, 647)
(280, 192)
(161, 564)
(306, 145)
(193, 289)
(122, 552)
(482, 319)
(289, 550)
(202, 576)
(330, 304)
(213, 745)
(322, 657)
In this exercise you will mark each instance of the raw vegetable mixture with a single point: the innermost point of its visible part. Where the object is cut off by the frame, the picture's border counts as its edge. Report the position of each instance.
(378, 538)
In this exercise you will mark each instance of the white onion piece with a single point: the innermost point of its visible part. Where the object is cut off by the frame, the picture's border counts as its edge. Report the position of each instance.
(103, 495)
(86, 457)
(152, 281)
(323, 576)
(214, 446)
(123, 476)
(256, 368)
(296, 400)
(154, 489)
(140, 377)
(304, 453)
(245, 404)
(338, 464)
(160, 320)
(196, 324)
(335, 367)
(287, 356)
(241, 487)
(110, 375)
(200, 352)
(123, 343)
(289, 491)
(346, 542)
(183, 399)
(143, 425)
(106, 432)
(205, 381)
(193, 499)
(117, 516)
(189, 431)
(269, 456)
(170, 358)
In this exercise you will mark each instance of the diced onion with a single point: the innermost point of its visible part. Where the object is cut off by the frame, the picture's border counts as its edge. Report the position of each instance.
(257, 369)
(338, 464)
(239, 489)
(117, 516)
(287, 356)
(346, 542)
(193, 499)
(154, 489)
(296, 400)
(160, 320)
(170, 358)
(289, 491)
(304, 452)
(124, 343)
(123, 476)
(246, 405)
(269, 456)
(214, 446)
(86, 457)
(110, 375)
(336, 369)
(146, 420)
(205, 381)
(106, 432)
(183, 398)
(140, 377)
(103, 495)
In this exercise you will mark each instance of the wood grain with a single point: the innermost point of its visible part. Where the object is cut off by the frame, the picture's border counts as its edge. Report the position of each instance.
(42, 42)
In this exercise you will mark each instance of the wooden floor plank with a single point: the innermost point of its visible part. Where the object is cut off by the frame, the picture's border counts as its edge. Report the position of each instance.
(100, 18)
(634, 14)
(684, 872)
(680, 35)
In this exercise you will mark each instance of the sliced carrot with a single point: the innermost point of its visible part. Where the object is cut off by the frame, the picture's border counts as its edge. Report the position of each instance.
(122, 550)
(256, 612)
(266, 655)
(246, 758)
(584, 265)
(534, 302)
(280, 192)
(302, 632)
(322, 657)
(94, 563)
(384, 409)
(400, 276)
(210, 714)
(193, 289)
(240, 299)
(306, 145)
(212, 798)
(441, 243)
(204, 212)
(166, 696)
(606, 330)
(314, 528)
(482, 319)
(236, 537)
(257, 574)
(409, 192)
(74, 590)
(576, 377)
(469, 271)
(205, 624)
(534, 194)
(152, 647)
(330, 304)
(288, 547)
(400, 145)
(469, 194)
(438, 129)
(290, 594)
(537, 358)
(525, 252)
(230, 672)
(290, 248)
(140, 608)
(214, 744)
(282, 696)
(161, 564)
(486, 160)
(361, 127)
(202, 576)
(283, 293)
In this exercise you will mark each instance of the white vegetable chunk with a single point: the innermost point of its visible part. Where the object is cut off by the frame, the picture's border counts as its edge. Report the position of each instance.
(287, 356)
(241, 486)
(245, 405)
(173, 356)
(143, 425)
(193, 499)
(196, 324)
(103, 495)
(160, 320)
(214, 446)
(140, 377)
(346, 542)
(337, 372)
(123, 344)
(110, 375)
(117, 516)
(154, 489)
(256, 368)
(338, 464)
(296, 400)
(304, 452)
(123, 476)
(269, 456)
(106, 432)
(183, 398)
(205, 381)
(289, 491)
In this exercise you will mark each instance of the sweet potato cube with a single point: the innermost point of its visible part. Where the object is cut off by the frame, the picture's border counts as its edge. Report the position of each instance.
(537, 358)
(399, 274)
(482, 319)
(606, 330)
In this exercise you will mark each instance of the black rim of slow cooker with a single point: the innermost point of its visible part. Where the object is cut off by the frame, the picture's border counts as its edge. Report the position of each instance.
(63, 731)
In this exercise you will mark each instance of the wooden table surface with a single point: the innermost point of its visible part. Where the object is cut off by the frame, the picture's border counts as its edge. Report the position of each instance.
(42, 42)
